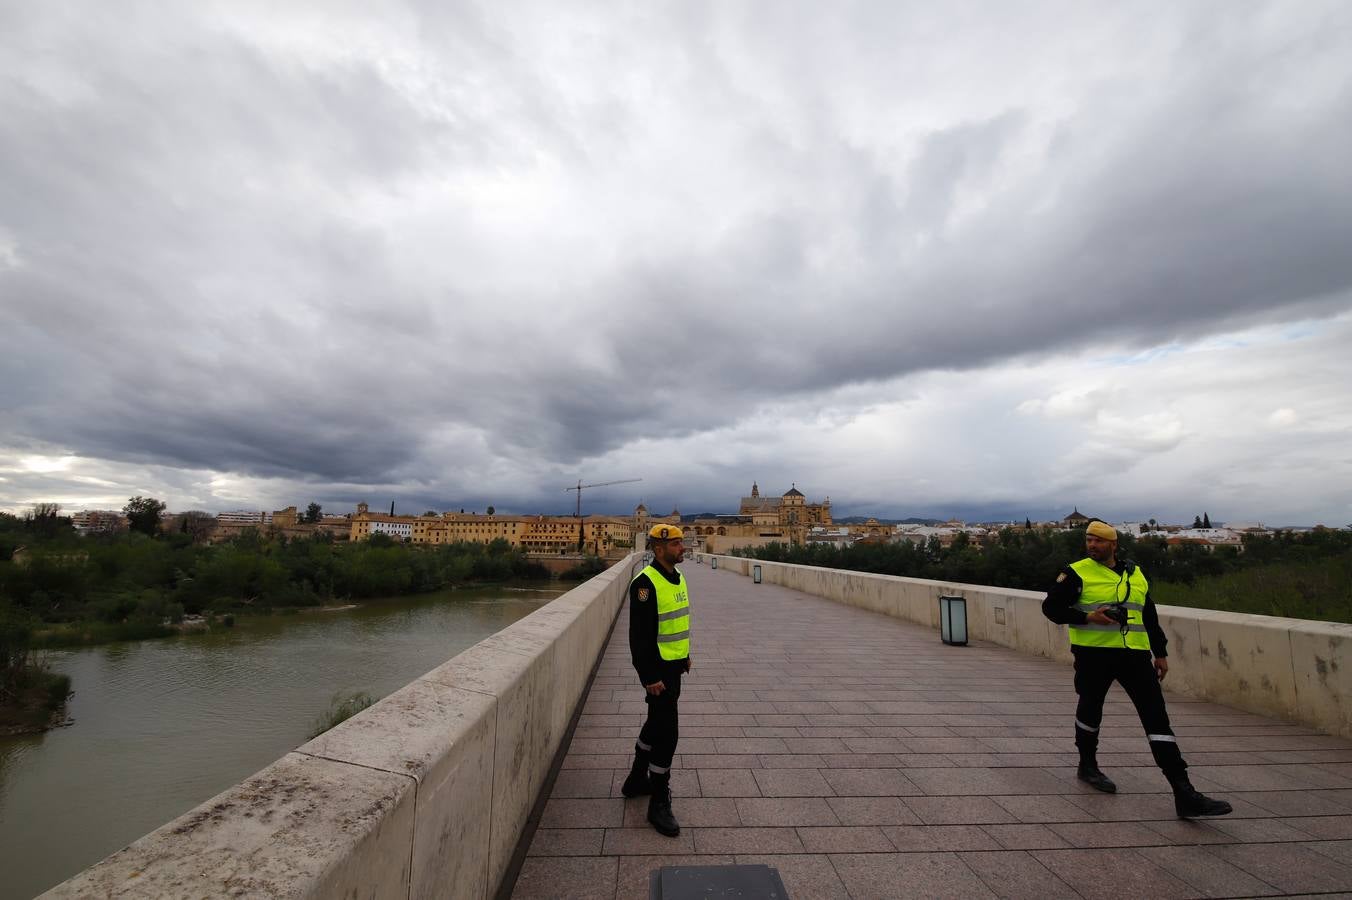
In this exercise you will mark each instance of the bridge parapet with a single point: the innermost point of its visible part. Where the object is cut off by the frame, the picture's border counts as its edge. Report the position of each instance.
(424, 794)
(1295, 669)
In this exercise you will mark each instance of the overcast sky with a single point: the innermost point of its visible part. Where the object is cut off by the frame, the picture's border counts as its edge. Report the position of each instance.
(977, 259)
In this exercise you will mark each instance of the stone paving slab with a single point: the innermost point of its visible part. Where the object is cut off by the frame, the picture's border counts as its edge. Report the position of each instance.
(864, 759)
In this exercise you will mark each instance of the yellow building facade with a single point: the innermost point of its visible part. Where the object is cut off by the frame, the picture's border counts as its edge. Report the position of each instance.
(759, 521)
(552, 535)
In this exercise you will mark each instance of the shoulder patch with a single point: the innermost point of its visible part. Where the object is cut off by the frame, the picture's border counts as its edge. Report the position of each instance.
(643, 593)
(1060, 578)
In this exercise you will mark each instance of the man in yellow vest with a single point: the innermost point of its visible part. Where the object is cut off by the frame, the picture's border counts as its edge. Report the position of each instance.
(1115, 635)
(659, 643)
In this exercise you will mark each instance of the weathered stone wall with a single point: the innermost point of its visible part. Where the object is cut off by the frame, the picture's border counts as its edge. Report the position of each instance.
(1291, 668)
(424, 794)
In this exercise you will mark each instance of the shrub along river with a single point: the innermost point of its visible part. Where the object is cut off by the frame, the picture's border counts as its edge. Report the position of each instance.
(163, 725)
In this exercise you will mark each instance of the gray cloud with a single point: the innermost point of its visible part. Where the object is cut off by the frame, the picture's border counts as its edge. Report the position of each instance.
(469, 250)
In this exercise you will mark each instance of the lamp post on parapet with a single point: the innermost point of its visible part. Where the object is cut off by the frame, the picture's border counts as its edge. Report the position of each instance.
(953, 621)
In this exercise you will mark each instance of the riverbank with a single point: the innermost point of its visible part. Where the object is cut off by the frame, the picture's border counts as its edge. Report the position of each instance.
(92, 633)
(37, 703)
(161, 725)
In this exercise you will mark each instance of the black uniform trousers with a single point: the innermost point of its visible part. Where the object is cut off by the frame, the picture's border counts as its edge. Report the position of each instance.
(662, 727)
(1096, 668)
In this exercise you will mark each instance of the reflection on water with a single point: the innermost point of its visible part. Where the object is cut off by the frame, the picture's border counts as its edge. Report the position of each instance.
(161, 726)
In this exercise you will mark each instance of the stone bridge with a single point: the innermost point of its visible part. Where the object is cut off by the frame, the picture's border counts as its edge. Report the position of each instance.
(825, 731)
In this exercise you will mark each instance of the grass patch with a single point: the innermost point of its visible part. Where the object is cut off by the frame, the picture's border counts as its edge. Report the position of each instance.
(341, 708)
(84, 634)
(1320, 590)
(590, 567)
(35, 702)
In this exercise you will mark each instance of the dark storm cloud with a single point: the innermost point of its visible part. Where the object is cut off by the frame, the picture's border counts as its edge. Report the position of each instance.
(351, 251)
(1168, 235)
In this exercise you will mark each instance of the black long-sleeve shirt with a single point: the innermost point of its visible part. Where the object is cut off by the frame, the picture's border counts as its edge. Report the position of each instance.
(1062, 607)
(643, 651)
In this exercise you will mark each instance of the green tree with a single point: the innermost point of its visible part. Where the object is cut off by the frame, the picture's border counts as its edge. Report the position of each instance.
(491, 510)
(1206, 520)
(312, 513)
(197, 524)
(1196, 521)
(45, 520)
(143, 514)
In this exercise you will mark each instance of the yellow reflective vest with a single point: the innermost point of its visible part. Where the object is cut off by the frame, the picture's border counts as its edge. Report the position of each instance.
(1104, 587)
(673, 614)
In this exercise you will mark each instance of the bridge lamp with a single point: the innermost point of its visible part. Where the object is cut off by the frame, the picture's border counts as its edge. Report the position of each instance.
(953, 621)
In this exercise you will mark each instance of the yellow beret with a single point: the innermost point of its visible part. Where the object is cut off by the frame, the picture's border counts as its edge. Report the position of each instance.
(1101, 530)
(665, 533)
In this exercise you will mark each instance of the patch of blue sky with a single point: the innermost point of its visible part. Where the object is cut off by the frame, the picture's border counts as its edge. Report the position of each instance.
(1285, 332)
(1310, 328)
(1141, 357)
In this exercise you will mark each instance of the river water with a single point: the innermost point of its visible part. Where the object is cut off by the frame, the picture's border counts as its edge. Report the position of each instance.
(161, 726)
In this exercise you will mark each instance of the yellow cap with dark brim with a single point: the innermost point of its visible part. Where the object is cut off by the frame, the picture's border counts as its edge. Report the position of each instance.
(665, 533)
(1101, 530)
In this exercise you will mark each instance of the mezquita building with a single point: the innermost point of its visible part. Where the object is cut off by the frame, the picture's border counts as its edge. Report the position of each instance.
(759, 521)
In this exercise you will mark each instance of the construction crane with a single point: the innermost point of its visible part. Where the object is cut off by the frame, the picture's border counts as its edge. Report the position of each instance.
(579, 488)
(599, 484)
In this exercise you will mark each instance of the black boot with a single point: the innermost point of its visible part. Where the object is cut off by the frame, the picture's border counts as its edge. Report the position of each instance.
(1091, 775)
(637, 784)
(659, 807)
(1189, 803)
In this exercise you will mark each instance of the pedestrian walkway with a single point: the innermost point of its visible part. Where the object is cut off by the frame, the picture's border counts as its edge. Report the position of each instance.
(865, 759)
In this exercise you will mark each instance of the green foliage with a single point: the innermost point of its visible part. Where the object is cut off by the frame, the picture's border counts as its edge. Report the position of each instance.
(55, 688)
(590, 567)
(313, 513)
(89, 633)
(45, 521)
(29, 693)
(341, 708)
(1319, 589)
(197, 524)
(75, 590)
(143, 514)
(14, 653)
(1305, 575)
(71, 591)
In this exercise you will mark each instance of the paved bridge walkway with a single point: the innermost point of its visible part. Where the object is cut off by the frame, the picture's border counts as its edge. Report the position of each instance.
(864, 759)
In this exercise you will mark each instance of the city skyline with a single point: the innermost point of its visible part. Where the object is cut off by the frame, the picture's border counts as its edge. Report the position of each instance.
(963, 261)
(966, 515)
